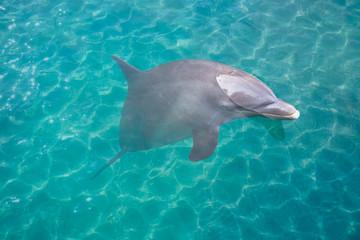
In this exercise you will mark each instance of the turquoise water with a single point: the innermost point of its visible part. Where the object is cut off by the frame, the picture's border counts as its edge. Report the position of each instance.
(61, 97)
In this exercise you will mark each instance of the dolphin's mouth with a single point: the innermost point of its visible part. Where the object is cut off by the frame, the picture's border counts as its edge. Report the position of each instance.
(292, 116)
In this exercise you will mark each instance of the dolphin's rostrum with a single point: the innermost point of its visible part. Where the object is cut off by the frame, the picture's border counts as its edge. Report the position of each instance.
(190, 98)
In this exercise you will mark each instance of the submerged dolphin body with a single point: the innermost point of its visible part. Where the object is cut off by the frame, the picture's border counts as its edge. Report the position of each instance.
(191, 98)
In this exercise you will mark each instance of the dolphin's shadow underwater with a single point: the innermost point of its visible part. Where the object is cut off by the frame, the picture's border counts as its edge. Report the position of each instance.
(192, 98)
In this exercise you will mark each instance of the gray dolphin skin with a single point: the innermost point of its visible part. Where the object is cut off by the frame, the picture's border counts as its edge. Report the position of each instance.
(191, 98)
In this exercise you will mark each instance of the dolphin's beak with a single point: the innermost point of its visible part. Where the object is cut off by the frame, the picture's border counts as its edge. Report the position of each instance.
(280, 110)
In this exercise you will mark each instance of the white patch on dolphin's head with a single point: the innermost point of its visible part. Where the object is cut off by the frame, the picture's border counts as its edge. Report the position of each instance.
(245, 90)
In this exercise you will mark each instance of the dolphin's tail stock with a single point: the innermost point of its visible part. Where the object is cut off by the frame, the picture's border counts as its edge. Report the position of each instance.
(114, 159)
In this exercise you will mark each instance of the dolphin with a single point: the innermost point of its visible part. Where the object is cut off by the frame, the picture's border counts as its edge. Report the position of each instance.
(191, 98)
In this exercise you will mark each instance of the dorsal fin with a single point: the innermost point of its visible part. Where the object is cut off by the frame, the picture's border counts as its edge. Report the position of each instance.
(126, 68)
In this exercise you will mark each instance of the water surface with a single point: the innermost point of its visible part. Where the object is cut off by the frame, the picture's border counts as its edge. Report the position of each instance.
(61, 97)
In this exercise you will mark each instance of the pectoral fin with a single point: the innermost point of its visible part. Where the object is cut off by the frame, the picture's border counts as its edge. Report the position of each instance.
(204, 143)
(274, 126)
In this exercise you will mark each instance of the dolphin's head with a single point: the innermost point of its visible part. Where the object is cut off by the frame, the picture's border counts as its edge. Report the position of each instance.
(253, 97)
